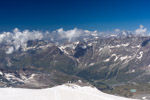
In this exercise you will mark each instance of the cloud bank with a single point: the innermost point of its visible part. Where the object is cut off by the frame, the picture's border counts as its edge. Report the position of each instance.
(17, 39)
(74, 33)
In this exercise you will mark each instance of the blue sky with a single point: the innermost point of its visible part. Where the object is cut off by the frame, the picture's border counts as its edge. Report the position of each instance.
(102, 15)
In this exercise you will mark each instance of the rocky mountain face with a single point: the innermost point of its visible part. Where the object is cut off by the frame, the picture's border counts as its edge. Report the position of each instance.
(104, 62)
(120, 60)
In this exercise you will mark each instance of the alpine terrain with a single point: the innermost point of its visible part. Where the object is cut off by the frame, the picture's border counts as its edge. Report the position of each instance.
(115, 64)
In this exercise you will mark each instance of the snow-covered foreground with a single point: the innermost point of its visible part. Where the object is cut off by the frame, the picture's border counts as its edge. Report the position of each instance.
(63, 92)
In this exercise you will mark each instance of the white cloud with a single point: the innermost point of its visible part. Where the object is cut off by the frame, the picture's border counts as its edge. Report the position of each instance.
(74, 33)
(141, 30)
(18, 39)
(117, 30)
(70, 33)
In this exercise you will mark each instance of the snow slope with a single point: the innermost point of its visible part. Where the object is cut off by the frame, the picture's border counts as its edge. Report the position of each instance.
(63, 92)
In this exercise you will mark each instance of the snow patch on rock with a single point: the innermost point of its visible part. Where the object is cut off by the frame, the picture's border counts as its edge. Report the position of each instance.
(107, 60)
(91, 64)
(125, 57)
(140, 55)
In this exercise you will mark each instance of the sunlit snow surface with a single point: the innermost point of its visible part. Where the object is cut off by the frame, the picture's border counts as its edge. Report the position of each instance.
(63, 92)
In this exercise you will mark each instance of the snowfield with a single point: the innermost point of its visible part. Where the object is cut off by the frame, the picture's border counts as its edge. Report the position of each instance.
(62, 92)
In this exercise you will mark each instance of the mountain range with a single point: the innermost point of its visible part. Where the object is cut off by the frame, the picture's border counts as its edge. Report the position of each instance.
(114, 64)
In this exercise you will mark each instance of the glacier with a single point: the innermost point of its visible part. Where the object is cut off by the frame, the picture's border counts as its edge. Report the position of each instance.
(61, 92)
